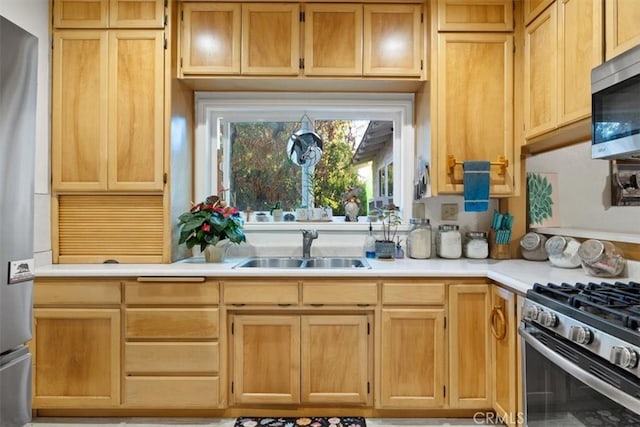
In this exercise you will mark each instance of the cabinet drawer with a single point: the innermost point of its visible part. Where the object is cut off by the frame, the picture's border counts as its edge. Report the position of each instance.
(170, 357)
(261, 293)
(154, 291)
(171, 392)
(85, 291)
(412, 293)
(171, 323)
(325, 292)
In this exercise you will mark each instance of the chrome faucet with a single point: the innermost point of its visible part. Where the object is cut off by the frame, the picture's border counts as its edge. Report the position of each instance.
(307, 239)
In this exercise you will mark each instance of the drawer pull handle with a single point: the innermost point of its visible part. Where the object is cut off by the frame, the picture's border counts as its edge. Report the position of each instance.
(317, 305)
(363, 305)
(284, 305)
(238, 305)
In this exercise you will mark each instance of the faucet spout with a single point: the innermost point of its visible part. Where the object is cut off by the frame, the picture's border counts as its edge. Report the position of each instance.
(307, 240)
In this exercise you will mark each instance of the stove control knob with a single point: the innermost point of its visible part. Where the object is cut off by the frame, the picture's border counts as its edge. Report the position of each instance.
(531, 312)
(548, 319)
(624, 357)
(580, 335)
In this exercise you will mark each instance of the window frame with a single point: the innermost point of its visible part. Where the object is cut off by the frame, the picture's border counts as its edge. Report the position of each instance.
(291, 106)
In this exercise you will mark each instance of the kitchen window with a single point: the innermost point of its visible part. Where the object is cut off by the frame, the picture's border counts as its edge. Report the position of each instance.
(223, 117)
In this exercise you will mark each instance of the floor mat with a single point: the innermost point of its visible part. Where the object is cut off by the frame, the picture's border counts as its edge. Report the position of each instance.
(301, 422)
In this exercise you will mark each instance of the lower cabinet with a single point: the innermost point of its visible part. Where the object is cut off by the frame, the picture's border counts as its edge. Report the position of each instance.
(300, 358)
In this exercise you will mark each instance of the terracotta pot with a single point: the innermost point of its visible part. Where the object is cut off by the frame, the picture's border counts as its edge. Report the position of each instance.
(216, 253)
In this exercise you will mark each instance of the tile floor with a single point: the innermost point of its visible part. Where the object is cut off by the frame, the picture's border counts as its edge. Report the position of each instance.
(229, 422)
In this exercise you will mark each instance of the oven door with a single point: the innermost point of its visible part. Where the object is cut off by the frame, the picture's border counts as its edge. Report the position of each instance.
(566, 386)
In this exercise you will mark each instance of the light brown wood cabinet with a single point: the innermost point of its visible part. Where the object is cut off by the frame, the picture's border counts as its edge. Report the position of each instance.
(470, 376)
(309, 359)
(622, 31)
(503, 324)
(108, 110)
(532, 9)
(562, 45)
(412, 345)
(76, 343)
(171, 343)
(108, 13)
(472, 85)
(472, 15)
(339, 40)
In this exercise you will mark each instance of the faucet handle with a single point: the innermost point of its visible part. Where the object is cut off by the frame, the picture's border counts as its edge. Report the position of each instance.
(312, 233)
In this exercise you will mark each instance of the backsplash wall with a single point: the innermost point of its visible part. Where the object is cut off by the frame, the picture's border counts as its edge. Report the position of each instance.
(585, 190)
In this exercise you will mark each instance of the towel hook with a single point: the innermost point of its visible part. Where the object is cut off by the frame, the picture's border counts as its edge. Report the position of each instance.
(502, 164)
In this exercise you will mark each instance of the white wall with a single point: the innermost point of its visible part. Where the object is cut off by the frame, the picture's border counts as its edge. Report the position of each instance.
(33, 16)
(585, 191)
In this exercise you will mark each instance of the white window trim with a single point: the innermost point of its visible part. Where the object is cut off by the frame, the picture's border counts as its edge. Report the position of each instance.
(319, 106)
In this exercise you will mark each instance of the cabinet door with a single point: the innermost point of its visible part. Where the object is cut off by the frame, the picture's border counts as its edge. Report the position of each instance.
(412, 359)
(469, 347)
(270, 39)
(472, 15)
(136, 14)
(210, 38)
(81, 13)
(136, 110)
(540, 73)
(622, 31)
(503, 325)
(474, 106)
(335, 359)
(532, 8)
(79, 110)
(266, 359)
(333, 40)
(579, 50)
(77, 358)
(393, 40)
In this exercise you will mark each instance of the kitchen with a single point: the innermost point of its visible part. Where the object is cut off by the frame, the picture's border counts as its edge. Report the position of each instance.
(578, 174)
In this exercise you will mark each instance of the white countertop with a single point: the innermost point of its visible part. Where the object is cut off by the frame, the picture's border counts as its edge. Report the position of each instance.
(519, 275)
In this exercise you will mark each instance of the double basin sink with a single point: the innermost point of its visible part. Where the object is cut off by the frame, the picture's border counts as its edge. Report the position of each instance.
(293, 262)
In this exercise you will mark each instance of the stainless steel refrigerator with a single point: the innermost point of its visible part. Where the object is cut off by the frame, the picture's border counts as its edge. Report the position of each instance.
(18, 70)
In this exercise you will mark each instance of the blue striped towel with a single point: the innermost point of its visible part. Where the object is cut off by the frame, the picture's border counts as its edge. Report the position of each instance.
(476, 180)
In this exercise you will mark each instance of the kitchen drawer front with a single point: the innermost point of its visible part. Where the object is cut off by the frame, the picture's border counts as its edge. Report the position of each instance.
(150, 291)
(171, 392)
(406, 293)
(261, 293)
(191, 323)
(339, 292)
(171, 357)
(73, 291)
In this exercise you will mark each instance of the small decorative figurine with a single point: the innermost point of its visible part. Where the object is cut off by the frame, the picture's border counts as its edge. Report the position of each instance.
(351, 204)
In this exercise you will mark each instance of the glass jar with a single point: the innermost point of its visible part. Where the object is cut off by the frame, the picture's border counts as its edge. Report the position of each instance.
(419, 239)
(601, 258)
(476, 245)
(532, 246)
(449, 243)
(563, 251)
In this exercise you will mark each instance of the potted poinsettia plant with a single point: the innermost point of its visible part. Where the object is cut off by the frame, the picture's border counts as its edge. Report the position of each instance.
(211, 224)
(389, 217)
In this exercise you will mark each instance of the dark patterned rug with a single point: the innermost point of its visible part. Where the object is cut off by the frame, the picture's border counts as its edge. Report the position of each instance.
(301, 421)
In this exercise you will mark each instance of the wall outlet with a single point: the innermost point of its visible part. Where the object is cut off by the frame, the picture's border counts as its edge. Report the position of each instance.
(449, 212)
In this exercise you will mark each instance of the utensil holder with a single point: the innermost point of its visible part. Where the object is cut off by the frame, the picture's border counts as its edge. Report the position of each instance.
(496, 250)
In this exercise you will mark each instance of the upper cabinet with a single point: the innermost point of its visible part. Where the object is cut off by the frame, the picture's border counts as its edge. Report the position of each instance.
(108, 14)
(472, 15)
(290, 39)
(107, 110)
(562, 45)
(333, 39)
(532, 8)
(621, 23)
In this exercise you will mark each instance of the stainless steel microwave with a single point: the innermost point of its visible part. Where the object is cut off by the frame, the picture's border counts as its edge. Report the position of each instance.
(615, 107)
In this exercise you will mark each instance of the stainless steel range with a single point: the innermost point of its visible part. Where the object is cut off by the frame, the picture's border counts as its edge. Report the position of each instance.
(581, 354)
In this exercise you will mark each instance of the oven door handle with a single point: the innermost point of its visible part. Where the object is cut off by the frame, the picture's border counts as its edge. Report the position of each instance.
(591, 380)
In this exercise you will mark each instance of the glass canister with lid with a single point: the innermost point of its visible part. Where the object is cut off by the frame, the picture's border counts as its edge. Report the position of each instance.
(601, 258)
(419, 239)
(449, 241)
(532, 246)
(563, 251)
(476, 245)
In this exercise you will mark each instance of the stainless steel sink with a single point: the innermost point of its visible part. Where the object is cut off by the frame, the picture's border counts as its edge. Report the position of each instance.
(318, 262)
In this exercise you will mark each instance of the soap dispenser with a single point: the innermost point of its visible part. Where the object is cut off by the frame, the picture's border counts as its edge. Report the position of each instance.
(370, 244)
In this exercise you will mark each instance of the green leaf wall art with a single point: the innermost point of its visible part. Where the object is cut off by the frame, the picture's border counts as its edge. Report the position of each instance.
(542, 191)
